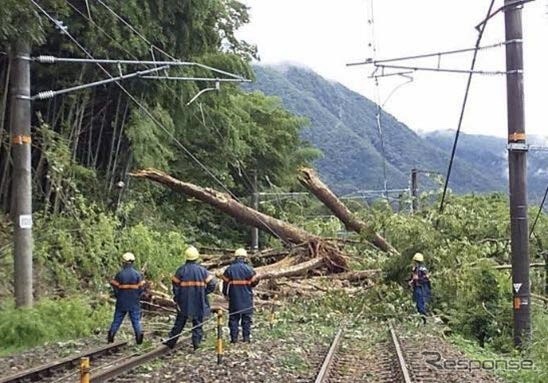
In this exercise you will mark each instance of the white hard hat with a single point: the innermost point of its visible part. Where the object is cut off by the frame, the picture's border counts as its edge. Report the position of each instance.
(240, 252)
(418, 257)
(128, 257)
(192, 253)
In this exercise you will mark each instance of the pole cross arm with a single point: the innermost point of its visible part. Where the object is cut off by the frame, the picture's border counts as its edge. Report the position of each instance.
(185, 78)
(52, 93)
(47, 59)
(446, 70)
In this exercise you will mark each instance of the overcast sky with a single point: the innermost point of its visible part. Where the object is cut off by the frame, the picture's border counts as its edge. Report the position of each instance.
(324, 35)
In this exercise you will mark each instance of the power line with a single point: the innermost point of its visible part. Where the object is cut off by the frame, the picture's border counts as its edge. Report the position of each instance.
(378, 116)
(539, 212)
(122, 47)
(116, 15)
(463, 108)
(490, 15)
(147, 112)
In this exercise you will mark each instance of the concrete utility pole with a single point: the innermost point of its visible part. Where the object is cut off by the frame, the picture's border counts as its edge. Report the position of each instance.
(517, 162)
(21, 207)
(254, 230)
(414, 202)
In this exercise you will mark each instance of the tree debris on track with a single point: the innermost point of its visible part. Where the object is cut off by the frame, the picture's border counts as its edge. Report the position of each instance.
(318, 264)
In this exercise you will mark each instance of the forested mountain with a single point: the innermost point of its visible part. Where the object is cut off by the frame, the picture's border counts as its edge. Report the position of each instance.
(343, 125)
(489, 153)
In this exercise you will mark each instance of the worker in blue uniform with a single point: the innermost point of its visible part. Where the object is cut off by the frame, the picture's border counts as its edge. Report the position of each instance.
(420, 282)
(128, 285)
(238, 283)
(191, 285)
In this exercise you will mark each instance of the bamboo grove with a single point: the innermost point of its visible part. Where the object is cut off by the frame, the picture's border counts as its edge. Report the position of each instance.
(86, 142)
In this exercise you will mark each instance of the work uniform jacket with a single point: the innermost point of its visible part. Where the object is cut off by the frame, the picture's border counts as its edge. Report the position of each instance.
(238, 282)
(128, 285)
(420, 280)
(191, 284)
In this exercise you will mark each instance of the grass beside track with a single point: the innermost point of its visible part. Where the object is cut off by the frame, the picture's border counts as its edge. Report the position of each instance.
(50, 320)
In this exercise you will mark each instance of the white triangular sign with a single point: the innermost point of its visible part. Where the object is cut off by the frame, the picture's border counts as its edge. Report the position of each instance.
(517, 286)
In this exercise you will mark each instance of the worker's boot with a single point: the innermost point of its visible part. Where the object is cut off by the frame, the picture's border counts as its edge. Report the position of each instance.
(170, 343)
(110, 337)
(139, 338)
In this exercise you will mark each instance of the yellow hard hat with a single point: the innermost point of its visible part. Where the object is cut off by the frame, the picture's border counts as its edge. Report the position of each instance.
(191, 253)
(240, 252)
(128, 257)
(418, 257)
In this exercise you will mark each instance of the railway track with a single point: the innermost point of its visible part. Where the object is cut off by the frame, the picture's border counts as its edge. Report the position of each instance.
(345, 361)
(55, 370)
(106, 363)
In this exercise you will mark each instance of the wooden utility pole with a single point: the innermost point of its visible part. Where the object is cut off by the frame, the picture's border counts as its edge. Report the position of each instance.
(255, 230)
(414, 202)
(21, 207)
(517, 163)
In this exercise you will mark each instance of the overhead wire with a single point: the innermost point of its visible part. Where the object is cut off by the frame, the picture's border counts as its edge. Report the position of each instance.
(64, 30)
(463, 108)
(127, 24)
(122, 47)
(538, 213)
(373, 45)
(155, 46)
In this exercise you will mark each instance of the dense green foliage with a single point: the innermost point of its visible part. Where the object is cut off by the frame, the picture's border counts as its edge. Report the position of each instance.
(86, 142)
(343, 125)
(50, 320)
(462, 246)
(81, 251)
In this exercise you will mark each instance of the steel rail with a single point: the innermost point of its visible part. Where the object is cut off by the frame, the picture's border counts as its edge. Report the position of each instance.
(399, 353)
(328, 361)
(129, 364)
(35, 374)
(126, 364)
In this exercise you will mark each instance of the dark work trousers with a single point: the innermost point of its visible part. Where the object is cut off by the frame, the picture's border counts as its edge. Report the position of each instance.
(134, 316)
(234, 323)
(180, 321)
(420, 296)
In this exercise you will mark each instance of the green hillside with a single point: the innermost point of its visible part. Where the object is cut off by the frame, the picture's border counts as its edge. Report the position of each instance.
(343, 125)
(489, 153)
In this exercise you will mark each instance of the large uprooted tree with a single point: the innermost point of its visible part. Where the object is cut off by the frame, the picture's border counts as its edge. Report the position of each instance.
(318, 252)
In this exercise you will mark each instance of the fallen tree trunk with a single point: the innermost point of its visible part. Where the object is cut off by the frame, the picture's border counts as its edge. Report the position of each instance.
(257, 258)
(298, 269)
(312, 182)
(322, 253)
(230, 206)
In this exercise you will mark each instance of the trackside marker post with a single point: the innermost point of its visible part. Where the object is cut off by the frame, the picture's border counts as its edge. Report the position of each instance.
(84, 370)
(219, 344)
